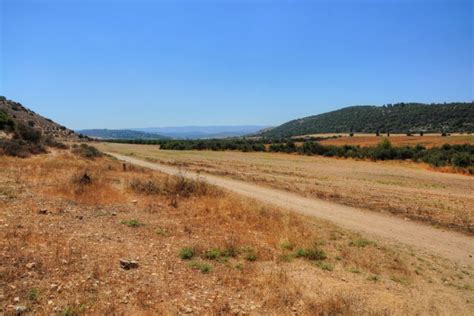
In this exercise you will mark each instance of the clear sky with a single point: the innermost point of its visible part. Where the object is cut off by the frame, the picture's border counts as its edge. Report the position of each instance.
(117, 64)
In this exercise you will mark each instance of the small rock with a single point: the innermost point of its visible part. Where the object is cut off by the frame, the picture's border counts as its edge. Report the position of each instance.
(134, 201)
(20, 310)
(43, 211)
(79, 217)
(31, 265)
(50, 302)
(16, 299)
(114, 214)
(128, 264)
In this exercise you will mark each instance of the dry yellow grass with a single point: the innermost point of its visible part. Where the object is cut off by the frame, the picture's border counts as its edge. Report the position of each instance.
(61, 241)
(400, 188)
(400, 140)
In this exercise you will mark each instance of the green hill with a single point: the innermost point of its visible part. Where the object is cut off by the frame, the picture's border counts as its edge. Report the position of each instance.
(396, 118)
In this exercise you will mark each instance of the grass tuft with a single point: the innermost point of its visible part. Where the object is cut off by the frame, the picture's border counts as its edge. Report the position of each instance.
(132, 223)
(186, 253)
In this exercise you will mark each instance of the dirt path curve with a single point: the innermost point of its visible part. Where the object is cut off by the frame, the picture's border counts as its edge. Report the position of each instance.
(451, 245)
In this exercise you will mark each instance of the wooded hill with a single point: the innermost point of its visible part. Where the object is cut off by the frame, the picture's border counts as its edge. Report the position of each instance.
(394, 118)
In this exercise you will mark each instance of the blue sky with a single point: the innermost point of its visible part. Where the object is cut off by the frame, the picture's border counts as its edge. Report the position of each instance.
(116, 64)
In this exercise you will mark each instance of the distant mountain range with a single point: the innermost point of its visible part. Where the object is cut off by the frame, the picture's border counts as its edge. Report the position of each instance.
(396, 118)
(180, 132)
(119, 134)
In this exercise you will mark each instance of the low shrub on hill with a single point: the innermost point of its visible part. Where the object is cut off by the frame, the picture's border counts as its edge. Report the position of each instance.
(86, 151)
(27, 141)
(6, 122)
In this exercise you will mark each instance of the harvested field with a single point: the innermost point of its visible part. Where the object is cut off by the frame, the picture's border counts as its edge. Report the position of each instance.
(427, 141)
(198, 250)
(401, 188)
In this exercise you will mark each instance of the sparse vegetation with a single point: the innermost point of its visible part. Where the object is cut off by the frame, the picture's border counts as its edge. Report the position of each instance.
(186, 253)
(311, 253)
(132, 223)
(325, 266)
(201, 266)
(249, 253)
(361, 243)
(87, 151)
(33, 294)
(79, 240)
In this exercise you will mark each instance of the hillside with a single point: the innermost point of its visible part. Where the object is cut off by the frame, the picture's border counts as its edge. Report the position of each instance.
(396, 118)
(13, 113)
(119, 134)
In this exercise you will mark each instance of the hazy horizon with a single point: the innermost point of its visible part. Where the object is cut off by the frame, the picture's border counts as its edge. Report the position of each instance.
(132, 64)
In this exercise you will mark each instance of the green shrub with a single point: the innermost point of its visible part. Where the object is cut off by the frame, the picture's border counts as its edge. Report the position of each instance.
(186, 253)
(315, 253)
(132, 223)
(212, 254)
(462, 159)
(201, 266)
(28, 133)
(300, 253)
(6, 122)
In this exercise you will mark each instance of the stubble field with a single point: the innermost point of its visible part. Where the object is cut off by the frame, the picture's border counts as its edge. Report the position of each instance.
(409, 190)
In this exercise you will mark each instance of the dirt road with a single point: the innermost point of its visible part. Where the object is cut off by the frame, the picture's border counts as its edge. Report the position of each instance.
(451, 245)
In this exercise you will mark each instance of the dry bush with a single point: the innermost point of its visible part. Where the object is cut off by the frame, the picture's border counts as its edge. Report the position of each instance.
(20, 148)
(86, 151)
(150, 186)
(173, 186)
(185, 187)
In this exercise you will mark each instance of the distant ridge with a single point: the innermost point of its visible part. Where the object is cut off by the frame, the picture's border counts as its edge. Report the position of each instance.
(203, 132)
(396, 118)
(119, 134)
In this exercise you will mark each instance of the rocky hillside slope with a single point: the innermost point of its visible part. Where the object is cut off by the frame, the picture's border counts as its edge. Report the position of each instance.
(19, 114)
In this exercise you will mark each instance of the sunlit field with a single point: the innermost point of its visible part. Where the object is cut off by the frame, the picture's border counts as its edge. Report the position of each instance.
(406, 189)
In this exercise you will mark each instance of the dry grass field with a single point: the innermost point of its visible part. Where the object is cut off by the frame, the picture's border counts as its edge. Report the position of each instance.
(198, 249)
(366, 140)
(405, 189)
(427, 141)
